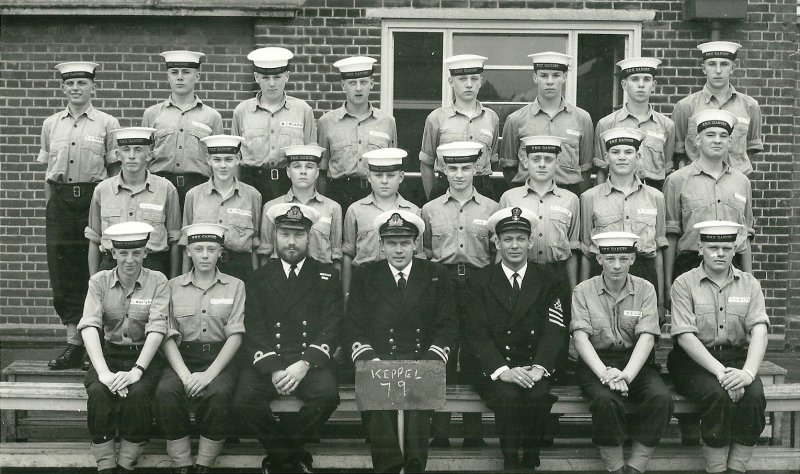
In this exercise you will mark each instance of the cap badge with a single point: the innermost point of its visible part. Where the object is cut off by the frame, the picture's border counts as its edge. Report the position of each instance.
(294, 213)
(396, 220)
(516, 213)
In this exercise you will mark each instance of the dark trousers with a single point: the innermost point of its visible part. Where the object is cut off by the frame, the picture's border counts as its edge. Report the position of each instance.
(67, 214)
(158, 261)
(346, 191)
(385, 445)
(686, 261)
(648, 391)
(519, 415)
(270, 183)
(236, 264)
(482, 184)
(212, 408)
(721, 420)
(109, 414)
(183, 183)
(284, 440)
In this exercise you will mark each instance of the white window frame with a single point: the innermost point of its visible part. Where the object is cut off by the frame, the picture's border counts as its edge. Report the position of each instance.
(631, 29)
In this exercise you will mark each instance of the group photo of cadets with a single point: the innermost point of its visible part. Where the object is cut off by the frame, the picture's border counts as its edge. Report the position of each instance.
(569, 257)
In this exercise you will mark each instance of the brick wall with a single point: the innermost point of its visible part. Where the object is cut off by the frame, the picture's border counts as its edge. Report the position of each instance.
(326, 30)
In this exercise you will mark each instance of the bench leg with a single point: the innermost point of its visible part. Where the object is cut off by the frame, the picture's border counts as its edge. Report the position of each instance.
(777, 429)
(795, 424)
(8, 431)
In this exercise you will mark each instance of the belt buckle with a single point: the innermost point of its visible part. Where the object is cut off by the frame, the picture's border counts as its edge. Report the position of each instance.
(76, 191)
(180, 180)
(206, 347)
(462, 269)
(274, 174)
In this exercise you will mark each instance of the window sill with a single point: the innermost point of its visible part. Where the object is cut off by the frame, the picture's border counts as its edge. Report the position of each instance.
(228, 8)
(511, 14)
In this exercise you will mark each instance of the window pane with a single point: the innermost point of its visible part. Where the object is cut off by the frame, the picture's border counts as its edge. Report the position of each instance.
(508, 49)
(507, 86)
(418, 66)
(410, 124)
(598, 85)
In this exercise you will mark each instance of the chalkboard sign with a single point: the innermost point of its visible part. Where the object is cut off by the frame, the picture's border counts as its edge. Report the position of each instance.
(400, 385)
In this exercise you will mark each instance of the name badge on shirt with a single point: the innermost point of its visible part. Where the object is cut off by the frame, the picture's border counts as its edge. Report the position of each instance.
(221, 300)
(141, 302)
(573, 132)
(480, 222)
(292, 124)
(378, 134)
(658, 135)
(647, 212)
(93, 139)
(152, 207)
(561, 210)
(202, 125)
(241, 212)
(738, 299)
(635, 314)
(743, 120)
(488, 133)
(325, 220)
(739, 197)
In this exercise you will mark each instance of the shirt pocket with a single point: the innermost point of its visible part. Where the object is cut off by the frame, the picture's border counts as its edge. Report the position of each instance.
(255, 144)
(442, 240)
(737, 328)
(340, 151)
(601, 331)
(289, 136)
(733, 208)
(706, 322)
(113, 321)
(739, 137)
(193, 147)
(110, 216)
(165, 142)
(367, 244)
(240, 226)
(481, 236)
(376, 140)
(560, 222)
(322, 233)
(606, 223)
(570, 150)
(695, 204)
(93, 160)
(154, 218)
(220, 313)
(644, 225)
(138, 315)
(653, 152)
(187, 322)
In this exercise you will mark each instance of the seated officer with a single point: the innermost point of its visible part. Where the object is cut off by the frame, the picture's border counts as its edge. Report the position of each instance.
(401, 308)
(292, 318)
(135, 194)
(516, 330)
(614, 327)
(720, 324)
(205, 331)
(225, 200)
(129, 304)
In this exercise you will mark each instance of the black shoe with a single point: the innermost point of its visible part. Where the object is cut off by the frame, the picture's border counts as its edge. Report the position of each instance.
(183, 470)
(69, 359)
(107, 471)
(268, 467)
(474, 443)
(530, 460)
(200, 469)
(300, 465)
(439, 443)
(122, 470)
(631, 470)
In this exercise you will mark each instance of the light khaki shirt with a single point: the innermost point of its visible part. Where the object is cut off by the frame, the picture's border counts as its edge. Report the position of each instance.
(446, 125)
(361, 239)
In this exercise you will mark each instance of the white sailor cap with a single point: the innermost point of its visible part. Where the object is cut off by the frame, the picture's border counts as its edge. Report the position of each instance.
(714, 118)
(718, 231)
(542, 144)
(271, 60)
(303, 153)
(719, 49)
(460, 152)
(182, 59)
(622, 136)
(293, 215)
(129, 235)
(205, 233)
(464, 64)
(632, 66)
(397, 223)
(134, 136)
(550, 60)
(355, 67)
(512, 218)
(385, 159)
(223, 144)
(615, 242)
(77, 70)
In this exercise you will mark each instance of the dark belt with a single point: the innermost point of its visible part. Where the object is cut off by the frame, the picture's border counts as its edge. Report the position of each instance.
(124, 347)
(72, 190)
(461, 269)
(274, 173)
(351, 179)
(180, 179)
(195, 346)
(723, 348)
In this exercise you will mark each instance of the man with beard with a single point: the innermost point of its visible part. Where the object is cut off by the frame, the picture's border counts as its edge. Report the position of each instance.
(292, 316)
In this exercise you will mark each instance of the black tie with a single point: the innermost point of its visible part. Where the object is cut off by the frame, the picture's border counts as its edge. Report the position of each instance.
(401, 282)
(516, 282)
(292, 273)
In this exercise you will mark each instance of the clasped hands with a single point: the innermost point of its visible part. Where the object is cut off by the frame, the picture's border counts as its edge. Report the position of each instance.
(525, 376)
(616, 380)
(118, 382)
(734, 381)
(287, 380)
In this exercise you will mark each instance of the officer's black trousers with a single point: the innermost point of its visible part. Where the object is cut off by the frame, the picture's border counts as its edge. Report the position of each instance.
(721, 420)
(609, 420)
(285, 439)
(213, 408)
(385, 445)
(109, 414)
(68, 249)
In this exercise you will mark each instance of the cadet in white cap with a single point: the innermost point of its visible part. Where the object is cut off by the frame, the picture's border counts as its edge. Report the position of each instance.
(466, 119)
(136, 194)
(292, 315)
(625, 203)
(707, 189)
(181, 123)
(224, 199)
(79, 151)
(456, 235)
(550, 114)
(720, 324)
(269, 122)
(719, 62)
(126, 367)
(206, 323)
(638, 79)
(325, 238)
(517, 330)
(401, 308)
(615, 327)
(350, 131)
(360, 237)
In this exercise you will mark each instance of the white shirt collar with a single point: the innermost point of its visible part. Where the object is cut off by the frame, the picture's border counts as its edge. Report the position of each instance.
(287, 267)
(396, 273)
(510, 273)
